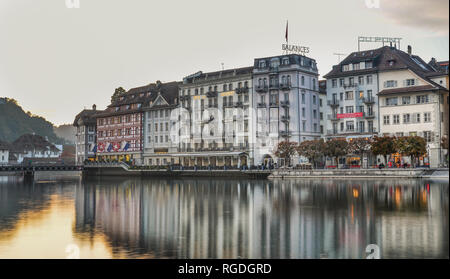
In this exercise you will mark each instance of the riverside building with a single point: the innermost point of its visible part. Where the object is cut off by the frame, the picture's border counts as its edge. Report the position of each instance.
(121, 134)
(287, 103)
(414, 102)
(215, 119)
(86, 135)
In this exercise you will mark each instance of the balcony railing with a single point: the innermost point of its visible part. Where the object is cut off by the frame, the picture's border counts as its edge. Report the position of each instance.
(238, 104)
(285, 118)
(332, 117)
(285, 103)
(262, 88)
(333, 103)
(285, 133)
(285, 86)
(274, 86)
(211, 94)
(242, 90)
(273, 104)
(368, 100)
(369, 115)
(262, 105)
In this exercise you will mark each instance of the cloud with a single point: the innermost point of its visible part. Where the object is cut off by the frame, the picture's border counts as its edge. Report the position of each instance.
(429, 15)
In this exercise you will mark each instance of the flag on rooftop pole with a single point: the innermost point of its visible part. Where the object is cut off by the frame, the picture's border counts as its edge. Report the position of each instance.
(286, 36)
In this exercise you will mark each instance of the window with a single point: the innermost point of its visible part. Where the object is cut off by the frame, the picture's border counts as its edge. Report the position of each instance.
(345, 68)
(393, 101)
(410, 82)
(320, 102)
(315, 114)
(156, 127)
(303, 98)
(427, 117)
(334, 83)
(396, 119)
(315, 127)
(349, 95)
(406, 118)
(314, 100)
(302, 80)
(356, 66)
(386, 119)
(285, 61)
(416, 118)
(342, 126)
(390, 83)
(341, 82)
(321, 116)
(368, 64)
(349, 109)
(225, 86)
(350, 125)
(406, 100)
(421, 99)
(303, 112)
(262, 64)
(351, 81)
(361, 80)
(427, 136)
(369, 79)
(341, 96)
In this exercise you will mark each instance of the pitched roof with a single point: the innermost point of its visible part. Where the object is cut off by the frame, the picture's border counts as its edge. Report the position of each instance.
(203, 77)
(86, 116)
(386, 59)
(4, 145)
(32, 142)
(144, 95)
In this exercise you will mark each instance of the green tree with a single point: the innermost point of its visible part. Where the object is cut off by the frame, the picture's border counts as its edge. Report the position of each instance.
(336, 148)
(285, 150)
(417, 146)
(383, 146)
(359, 146)
(119, 91)
(314, 150)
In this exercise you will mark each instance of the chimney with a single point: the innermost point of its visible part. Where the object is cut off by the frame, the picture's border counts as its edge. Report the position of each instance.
(94, 107)
(409, 50)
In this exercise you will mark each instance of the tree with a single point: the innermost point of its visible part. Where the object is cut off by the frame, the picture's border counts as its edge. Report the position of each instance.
(359, 146)
(417, 146)
(383, 146)
(336, 148)
(444, 142)
(285, 150)
(119, 91)
(314, 150)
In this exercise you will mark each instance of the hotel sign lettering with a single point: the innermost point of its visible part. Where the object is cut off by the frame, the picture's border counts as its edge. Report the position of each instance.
(349, 115)
(295, 49)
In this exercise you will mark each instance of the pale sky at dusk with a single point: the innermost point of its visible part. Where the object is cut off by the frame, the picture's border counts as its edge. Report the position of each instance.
(55, 61)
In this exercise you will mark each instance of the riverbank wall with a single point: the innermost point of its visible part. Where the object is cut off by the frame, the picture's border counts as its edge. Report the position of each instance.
(363, 173)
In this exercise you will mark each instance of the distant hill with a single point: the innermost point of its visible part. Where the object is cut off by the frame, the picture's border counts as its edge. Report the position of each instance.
(15, 122)
(67, 132)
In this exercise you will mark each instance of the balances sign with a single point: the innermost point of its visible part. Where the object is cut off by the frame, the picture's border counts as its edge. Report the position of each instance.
(295, 49)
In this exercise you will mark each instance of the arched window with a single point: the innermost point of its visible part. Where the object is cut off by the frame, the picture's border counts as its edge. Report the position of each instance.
(224, 87)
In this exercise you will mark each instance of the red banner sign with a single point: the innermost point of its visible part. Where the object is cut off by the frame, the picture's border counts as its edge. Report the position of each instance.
(349, 115)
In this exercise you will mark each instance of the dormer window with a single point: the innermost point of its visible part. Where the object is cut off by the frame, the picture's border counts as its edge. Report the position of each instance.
(274, 63)
(285, 61)
(390, 83)
(117, 108)
(345, 68)
(391, 62)
(262, 64)
(369, 64)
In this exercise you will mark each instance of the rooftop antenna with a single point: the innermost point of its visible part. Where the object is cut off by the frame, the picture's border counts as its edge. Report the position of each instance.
(339, 56)
(222, 66)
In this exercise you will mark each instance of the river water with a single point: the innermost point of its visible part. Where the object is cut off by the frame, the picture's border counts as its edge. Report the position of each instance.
(67, 217)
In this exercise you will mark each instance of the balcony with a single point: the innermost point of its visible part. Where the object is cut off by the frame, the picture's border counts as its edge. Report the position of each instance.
(368, 100)
(332, 117)
(238, 104)
(369, 115)
(242, 90)
(262, 105)
(285, 103)
(285, 86)
(332, 132)
(185, 98)
(285, 118)
(285, 134)
(211, 106)
(211, 94)
(228, 105)
(274, 86)
(261, 88)
(333, 103)
(273, 104)
(351, 85)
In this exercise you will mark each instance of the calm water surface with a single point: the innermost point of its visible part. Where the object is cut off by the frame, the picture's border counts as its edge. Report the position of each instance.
(64, 217)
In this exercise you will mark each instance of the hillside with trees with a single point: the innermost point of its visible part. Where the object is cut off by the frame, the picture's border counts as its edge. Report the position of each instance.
(15, 122)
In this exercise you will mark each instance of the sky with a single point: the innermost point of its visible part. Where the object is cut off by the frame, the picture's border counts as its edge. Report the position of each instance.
(56, 61)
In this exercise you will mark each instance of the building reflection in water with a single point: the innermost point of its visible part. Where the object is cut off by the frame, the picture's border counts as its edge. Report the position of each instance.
(205, 218)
